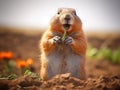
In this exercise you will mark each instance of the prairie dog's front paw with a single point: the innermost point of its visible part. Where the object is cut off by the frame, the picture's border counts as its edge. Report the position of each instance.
(68, 40)
(56, 39)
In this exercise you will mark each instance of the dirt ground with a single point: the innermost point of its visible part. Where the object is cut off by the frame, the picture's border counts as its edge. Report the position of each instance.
(102, 74)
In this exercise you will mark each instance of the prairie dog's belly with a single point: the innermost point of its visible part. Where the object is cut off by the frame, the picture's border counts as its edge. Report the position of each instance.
(63, 61)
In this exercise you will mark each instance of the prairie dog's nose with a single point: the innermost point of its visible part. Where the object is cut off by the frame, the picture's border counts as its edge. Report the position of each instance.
(67, 17)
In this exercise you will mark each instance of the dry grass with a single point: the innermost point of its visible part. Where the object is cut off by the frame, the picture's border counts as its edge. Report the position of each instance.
(24, 30)
(103, 35)
(34, 31)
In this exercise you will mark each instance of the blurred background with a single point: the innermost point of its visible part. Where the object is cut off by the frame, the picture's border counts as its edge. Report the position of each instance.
(22, 22)
(96, 15)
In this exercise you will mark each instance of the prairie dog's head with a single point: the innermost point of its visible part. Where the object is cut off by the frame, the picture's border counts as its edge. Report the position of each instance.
(65, 19)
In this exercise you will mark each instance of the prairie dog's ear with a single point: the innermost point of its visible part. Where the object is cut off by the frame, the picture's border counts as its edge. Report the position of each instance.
(74, 12)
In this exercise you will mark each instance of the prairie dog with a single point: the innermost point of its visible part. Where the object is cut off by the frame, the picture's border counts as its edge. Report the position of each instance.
(58, 55)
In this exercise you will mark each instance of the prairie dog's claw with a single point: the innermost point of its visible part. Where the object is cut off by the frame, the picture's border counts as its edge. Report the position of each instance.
(68, 40)
(56, 39)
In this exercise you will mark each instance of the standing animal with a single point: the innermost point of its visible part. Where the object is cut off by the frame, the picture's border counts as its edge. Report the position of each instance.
(63, 46)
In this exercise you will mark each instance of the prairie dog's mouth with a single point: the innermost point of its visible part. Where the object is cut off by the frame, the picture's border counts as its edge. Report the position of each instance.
(66, 26)
(66, 20)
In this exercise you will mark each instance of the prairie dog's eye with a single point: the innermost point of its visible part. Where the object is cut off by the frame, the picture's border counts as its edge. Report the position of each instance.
(58, 12)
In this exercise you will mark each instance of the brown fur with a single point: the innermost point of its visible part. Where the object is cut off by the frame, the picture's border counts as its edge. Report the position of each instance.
(70, 59)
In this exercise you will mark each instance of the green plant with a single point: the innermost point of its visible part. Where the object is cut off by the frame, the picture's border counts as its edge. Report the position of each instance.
(116, 56)
(31, 74)
(91, 52)
(63, 38)
(104, 53)
(9, 77)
